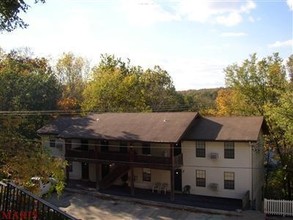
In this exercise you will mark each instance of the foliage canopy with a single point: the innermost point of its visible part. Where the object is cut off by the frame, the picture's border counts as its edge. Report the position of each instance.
(9, 14)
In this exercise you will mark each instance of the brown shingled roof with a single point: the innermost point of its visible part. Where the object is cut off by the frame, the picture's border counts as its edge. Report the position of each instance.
(58, 125)
(225, 129)
(167, 127)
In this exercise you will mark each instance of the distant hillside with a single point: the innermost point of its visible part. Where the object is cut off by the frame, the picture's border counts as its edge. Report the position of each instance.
(200, 100)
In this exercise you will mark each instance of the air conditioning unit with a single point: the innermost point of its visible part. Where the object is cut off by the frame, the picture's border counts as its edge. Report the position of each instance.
(214, 155)
(214, 186)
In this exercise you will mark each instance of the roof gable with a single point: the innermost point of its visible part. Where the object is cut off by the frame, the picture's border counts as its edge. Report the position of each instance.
(225, 129)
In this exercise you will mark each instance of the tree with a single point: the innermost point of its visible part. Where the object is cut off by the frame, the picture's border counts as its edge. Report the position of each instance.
(158, 90)
(280, 118)
(258, 81)
(22, 159)
(117, 86)
(202, 100)
(9, 14)
(290, 67)
(27, 84)
(226, 102)
(72, 72)
(264, 90)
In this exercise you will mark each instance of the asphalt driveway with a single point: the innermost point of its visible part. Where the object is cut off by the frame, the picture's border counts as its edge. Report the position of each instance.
(86, 206)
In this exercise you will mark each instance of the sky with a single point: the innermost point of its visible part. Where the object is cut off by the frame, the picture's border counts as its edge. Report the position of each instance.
(193, 40)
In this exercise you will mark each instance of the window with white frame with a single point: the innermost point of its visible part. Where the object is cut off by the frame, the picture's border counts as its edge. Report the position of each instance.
(200, 149)
(229, 180)
(200, 178)
(229, 150)
(146, 174)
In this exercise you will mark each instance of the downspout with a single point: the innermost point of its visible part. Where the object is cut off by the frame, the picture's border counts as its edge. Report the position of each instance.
(172, 172)
(252, 191)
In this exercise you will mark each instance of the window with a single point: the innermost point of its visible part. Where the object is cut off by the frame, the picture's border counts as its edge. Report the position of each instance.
(229, 151)
(200, 149)
(84, 144)
(104, 146)
(67, 144)
(146, 149)
(229, 180)
(123, 147)
(146, 174)
(200, 178)
(52, 142)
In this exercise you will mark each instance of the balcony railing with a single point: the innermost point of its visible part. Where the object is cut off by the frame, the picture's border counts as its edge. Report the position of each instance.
(17, 203)
(123, 157)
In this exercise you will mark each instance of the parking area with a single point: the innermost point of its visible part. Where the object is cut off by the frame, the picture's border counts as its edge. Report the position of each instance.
(86, 206)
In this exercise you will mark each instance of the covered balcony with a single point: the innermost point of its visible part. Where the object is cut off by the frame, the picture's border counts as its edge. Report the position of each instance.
(130, 158)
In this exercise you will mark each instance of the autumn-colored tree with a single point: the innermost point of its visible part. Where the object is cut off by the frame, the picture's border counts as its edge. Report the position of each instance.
(22, 159)
(72, 72)
(229, 102)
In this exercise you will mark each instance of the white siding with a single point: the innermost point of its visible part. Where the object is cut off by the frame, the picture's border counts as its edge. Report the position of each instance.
(215, 168)
(160, 150)
(92, 172)
(162, 176)
(54, 151)
(258, 172)
(76, 171)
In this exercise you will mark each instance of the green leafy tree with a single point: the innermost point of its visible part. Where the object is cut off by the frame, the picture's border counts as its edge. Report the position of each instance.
(9, 14)
(158, 90)
(280, 118)
(264, 90)
(290, 67)
(259, 81)
(202, 100)
(26, 84)
(117, 86)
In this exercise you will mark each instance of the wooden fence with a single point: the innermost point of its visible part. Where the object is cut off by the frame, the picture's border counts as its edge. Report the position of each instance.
(17, 203)
(278, 207)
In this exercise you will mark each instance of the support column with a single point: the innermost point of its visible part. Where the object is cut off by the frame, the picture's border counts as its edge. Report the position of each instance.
(98, 166)
(132, 181)
(172, 194)
(97, 176)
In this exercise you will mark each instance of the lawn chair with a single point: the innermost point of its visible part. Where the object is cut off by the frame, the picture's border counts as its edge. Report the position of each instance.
(164, 187)
(186, 189)
(156, 186)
